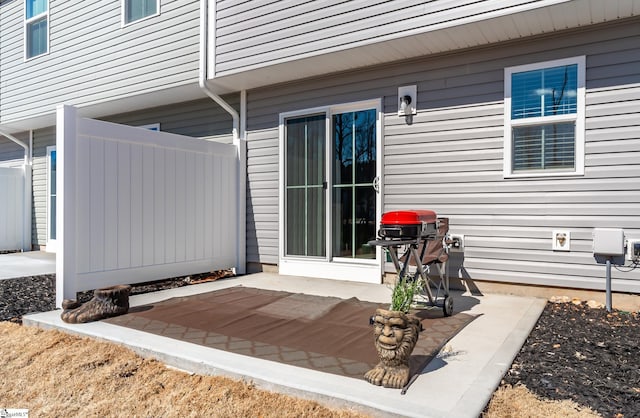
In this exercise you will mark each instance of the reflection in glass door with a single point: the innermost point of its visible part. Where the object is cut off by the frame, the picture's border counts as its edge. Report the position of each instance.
(354, 169)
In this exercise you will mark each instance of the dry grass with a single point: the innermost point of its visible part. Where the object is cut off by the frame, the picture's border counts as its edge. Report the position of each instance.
(56, 374)
(518, 402)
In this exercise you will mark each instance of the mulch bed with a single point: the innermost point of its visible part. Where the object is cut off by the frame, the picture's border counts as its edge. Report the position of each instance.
(172, 283)
(587, 355)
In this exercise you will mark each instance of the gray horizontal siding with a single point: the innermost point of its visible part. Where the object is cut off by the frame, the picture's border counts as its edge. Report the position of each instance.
(262, 189)
(259, 32)
(198, 118)
(93, 59)
(42, 138)
(450, 158)
(12, 154)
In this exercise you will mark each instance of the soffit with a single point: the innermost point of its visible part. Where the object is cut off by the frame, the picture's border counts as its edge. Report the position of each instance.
(439, 39)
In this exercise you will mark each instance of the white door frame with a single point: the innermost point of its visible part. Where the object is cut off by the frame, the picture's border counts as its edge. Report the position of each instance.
(51, 243)
(360, 270)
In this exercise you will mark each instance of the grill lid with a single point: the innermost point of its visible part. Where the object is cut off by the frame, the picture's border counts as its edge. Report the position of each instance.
(408, 217)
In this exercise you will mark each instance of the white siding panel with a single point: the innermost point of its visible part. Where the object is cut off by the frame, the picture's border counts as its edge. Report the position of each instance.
(170, 207)
(181, 209)
(83, 215)
(124, 197)
(111, 205)
(97, 201)
(158, 199)
(137, 232)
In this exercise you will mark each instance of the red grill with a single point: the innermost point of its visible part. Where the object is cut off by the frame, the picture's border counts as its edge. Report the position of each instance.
(408, 224)
(423, 240)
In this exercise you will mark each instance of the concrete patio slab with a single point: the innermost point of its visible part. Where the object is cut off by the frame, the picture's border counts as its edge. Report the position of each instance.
(458, 383)
(30, 263)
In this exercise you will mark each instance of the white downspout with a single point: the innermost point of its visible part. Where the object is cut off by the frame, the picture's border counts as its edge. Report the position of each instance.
(26, 227)
(242, 185)
(238, 134)
(204, 45)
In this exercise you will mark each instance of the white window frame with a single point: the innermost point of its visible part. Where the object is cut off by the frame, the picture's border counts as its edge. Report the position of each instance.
(30, 20)
(578, 118)
(123, 13)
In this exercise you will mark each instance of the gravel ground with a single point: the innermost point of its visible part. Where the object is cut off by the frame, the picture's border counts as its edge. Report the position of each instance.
(574, 352)
(26, 295)
(38, 293)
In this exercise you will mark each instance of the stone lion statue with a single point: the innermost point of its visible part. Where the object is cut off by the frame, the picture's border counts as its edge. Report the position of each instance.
(396, 335)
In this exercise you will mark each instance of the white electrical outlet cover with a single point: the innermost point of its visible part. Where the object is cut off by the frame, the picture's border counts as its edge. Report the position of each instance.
(631, 244)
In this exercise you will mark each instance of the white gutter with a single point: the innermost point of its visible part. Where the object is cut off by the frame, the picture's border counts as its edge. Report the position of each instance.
(26, 227)
(238, 134)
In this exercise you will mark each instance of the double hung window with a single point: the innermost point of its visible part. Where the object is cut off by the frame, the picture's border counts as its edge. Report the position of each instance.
(544, 118)
(134, 10)
(36, 27)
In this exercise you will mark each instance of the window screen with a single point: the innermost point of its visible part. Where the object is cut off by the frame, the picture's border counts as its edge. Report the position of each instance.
(538, 98)
(139, 9)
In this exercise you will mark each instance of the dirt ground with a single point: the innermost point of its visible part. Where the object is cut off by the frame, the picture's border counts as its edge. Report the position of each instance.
(53, 374)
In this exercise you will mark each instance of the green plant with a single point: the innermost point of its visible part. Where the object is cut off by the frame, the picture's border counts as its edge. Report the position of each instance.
(405, 288)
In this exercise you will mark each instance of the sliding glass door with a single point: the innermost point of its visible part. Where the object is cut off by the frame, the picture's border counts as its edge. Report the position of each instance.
(306, 187)
(330, 172)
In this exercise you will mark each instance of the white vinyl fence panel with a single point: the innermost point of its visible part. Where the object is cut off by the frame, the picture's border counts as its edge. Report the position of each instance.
(12, 209)
(138, 205)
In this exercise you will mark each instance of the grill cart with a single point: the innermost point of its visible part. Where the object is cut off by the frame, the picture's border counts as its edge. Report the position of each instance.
(419, 239)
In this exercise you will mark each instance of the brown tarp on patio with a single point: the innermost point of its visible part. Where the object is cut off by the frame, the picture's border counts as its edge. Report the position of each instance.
(327, 334)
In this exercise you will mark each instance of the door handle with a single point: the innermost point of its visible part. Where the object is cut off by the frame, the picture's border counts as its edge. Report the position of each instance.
(376, 184)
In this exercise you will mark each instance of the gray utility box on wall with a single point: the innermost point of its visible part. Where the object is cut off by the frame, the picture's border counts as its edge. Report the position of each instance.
(608, 242)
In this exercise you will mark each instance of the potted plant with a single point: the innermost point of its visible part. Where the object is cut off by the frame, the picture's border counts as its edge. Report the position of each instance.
(396, 333)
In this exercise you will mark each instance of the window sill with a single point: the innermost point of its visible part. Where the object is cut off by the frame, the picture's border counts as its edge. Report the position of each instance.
(546, 173)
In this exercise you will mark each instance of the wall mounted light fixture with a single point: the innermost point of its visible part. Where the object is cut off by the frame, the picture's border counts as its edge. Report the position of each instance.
(405, 104)
(407, 100)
